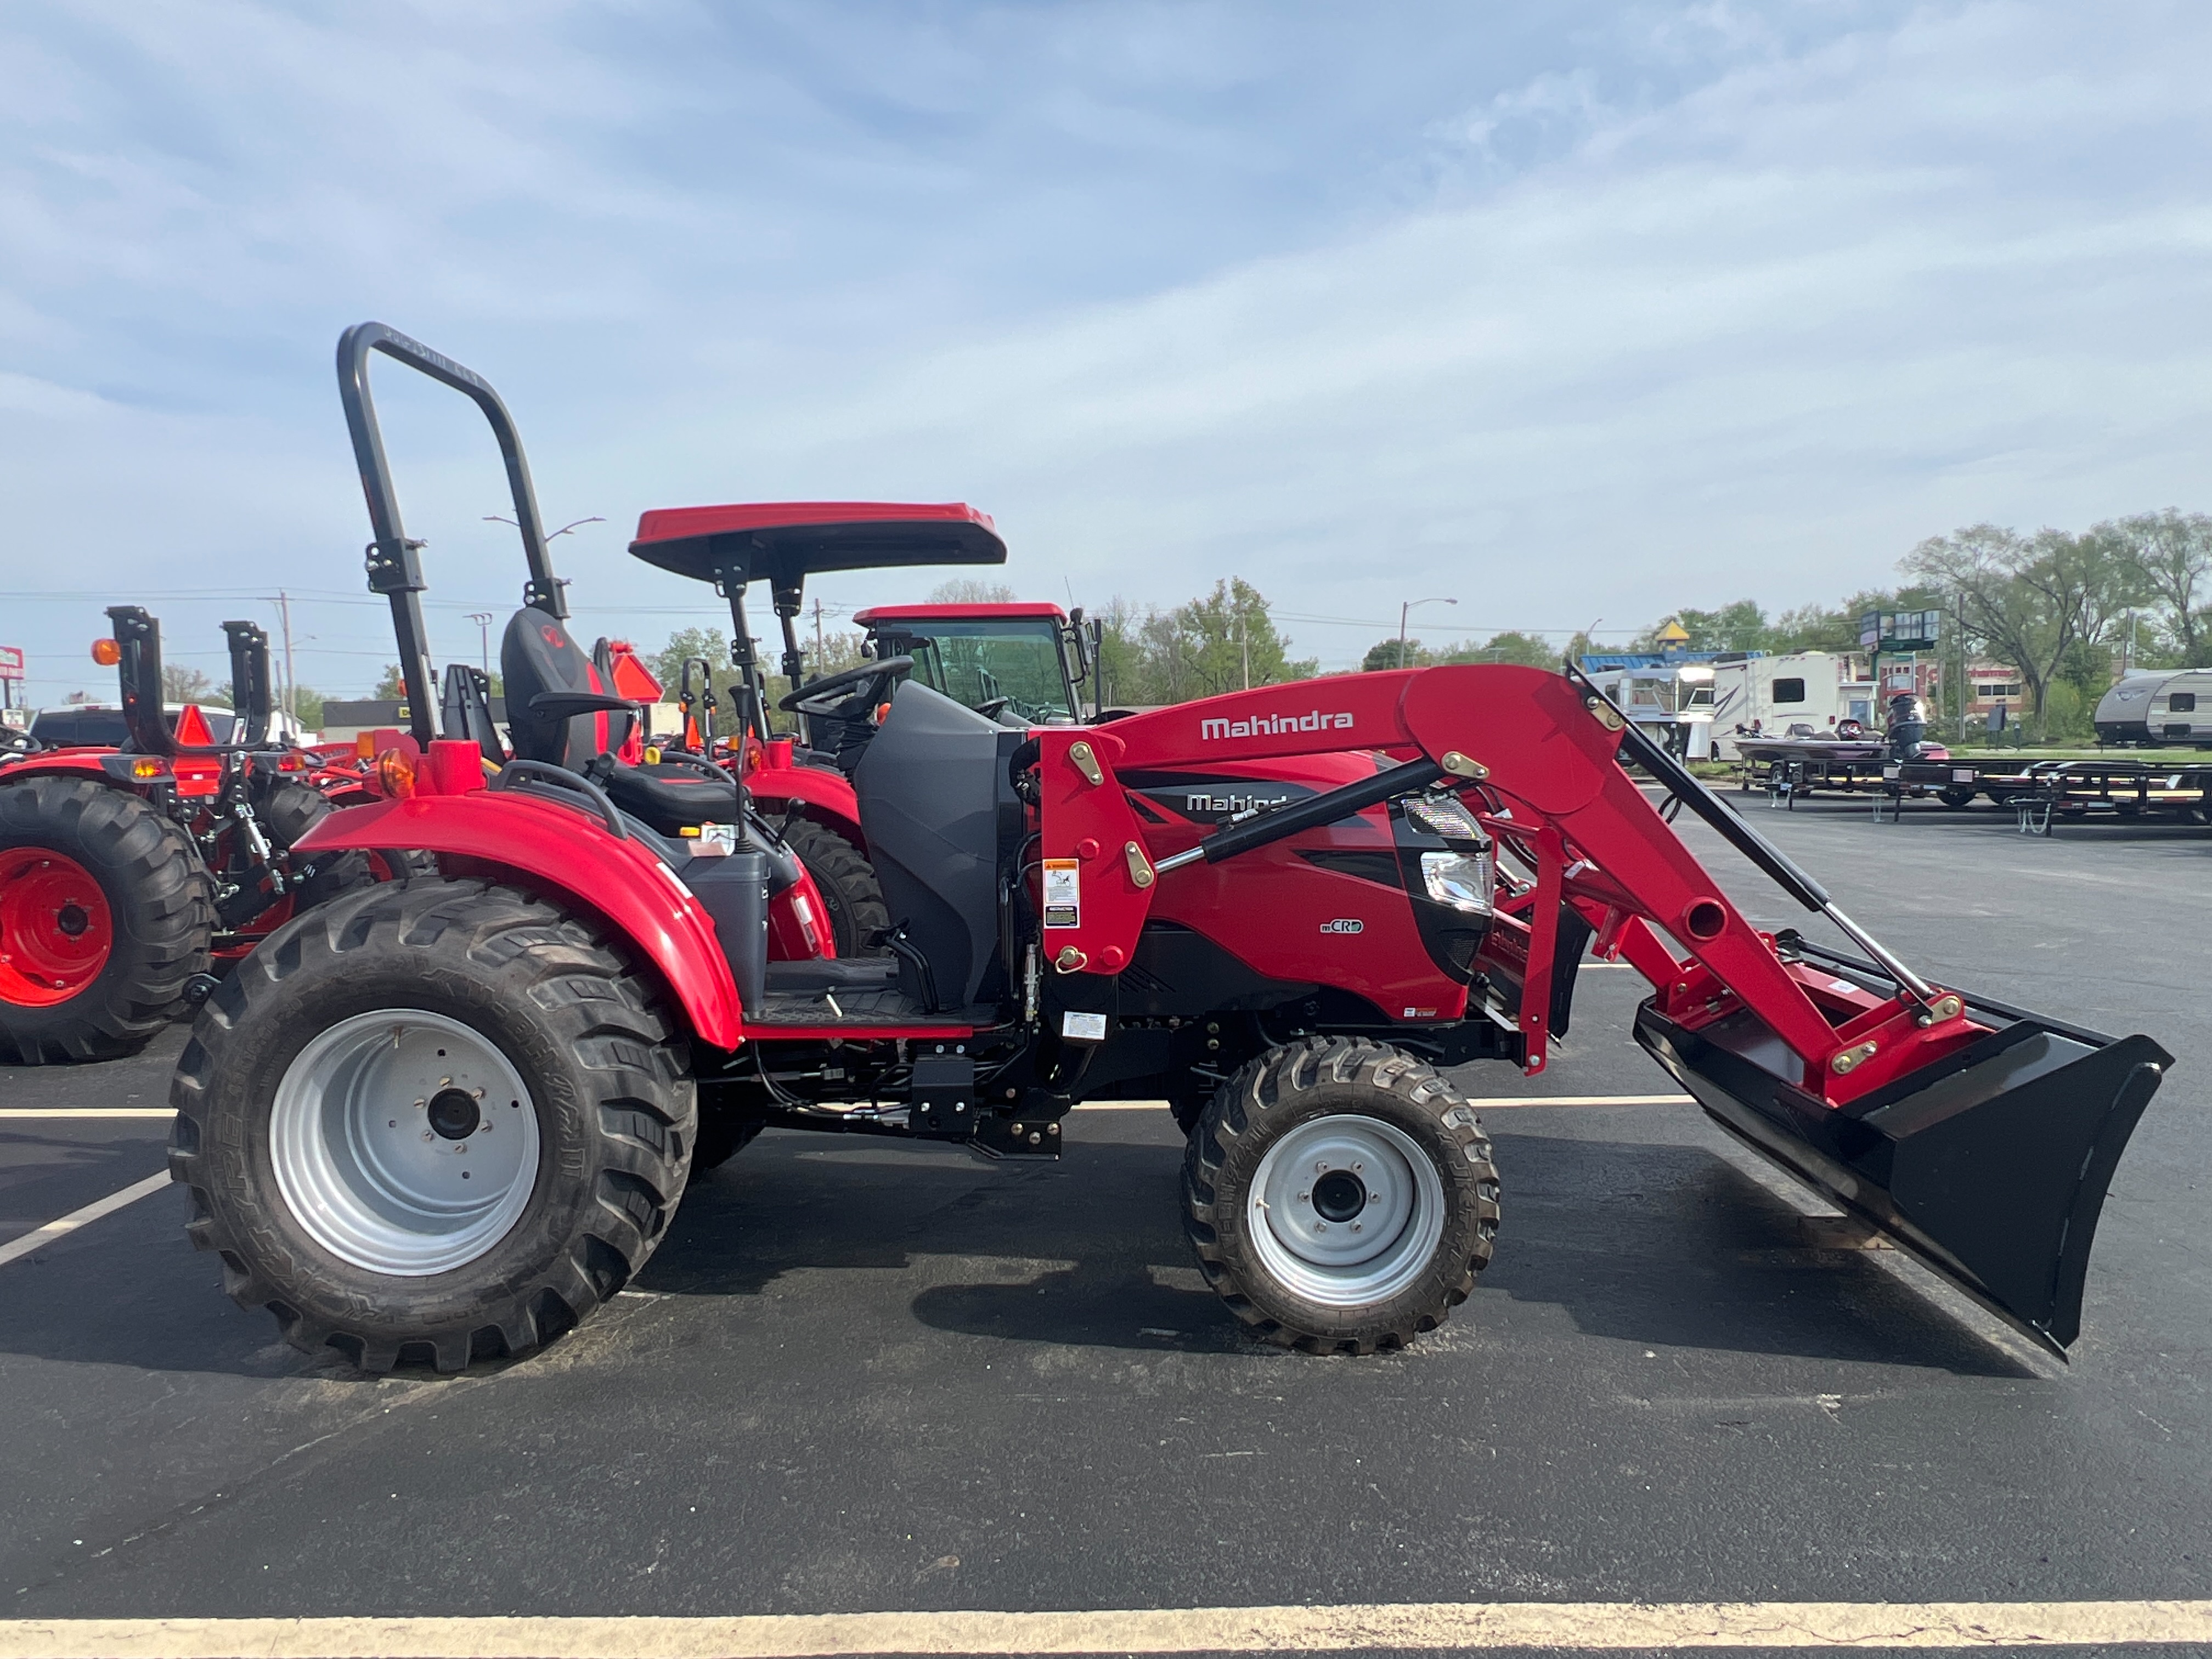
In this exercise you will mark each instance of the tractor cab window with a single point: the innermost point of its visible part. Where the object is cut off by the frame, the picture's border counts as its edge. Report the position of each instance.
(1012, 666)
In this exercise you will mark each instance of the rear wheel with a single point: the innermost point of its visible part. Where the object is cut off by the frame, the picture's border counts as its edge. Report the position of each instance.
(1341, 1196)
(1957, 797)
(430, 1123)
(106, 913)
(850, 892)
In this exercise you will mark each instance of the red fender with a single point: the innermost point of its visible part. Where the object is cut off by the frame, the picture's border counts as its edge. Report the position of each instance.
(828, 796)
(563, 849)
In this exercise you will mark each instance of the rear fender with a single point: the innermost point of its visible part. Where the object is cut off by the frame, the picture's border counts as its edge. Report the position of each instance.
(828, 797)
(571, 853)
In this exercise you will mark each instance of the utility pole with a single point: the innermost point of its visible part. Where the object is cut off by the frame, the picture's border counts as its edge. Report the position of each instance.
(291, 685)
(483, 620)
(1244, 643)
(817, 636)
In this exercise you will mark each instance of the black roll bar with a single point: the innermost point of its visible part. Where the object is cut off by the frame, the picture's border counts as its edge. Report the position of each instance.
(394, 569)
(138, 637)
(250, 694)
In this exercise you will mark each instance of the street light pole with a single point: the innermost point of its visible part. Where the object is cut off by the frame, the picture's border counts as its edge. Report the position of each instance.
(1405, 611)
(483, 620)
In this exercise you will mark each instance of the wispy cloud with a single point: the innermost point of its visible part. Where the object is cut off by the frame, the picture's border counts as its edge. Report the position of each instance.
(1592, 310)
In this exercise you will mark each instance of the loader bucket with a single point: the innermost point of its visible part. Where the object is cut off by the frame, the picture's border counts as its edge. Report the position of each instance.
(1989, 1166)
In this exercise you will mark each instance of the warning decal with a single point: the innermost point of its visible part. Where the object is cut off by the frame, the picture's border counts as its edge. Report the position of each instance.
(1063, 893)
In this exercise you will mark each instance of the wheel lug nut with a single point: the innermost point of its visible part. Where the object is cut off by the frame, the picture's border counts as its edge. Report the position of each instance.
(1305, 1198)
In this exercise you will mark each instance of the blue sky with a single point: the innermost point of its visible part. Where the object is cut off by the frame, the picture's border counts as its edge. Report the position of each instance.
(1568, 311)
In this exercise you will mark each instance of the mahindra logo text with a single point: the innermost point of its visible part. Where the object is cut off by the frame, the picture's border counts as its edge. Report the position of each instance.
(1265, 726)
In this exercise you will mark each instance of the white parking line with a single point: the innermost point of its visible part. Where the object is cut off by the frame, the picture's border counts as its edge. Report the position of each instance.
(40, 1237)
(1488, 1103)
(1490, 1626)
(10, 1114)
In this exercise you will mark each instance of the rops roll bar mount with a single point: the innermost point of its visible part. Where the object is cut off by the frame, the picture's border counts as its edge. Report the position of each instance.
(394, 569)
(145, 715)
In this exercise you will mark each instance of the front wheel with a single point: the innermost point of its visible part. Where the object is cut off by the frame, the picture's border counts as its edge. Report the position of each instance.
(431, 1122)
(1341, 1196)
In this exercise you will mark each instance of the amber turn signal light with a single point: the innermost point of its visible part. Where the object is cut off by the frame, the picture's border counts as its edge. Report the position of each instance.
(395, 775)
(106, 653)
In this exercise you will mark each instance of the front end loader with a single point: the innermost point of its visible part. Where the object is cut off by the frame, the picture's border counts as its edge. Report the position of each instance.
(443, 1121)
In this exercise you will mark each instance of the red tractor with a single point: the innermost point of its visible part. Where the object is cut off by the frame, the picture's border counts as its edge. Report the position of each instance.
(132, 860)
(1020, 664)
(444, 1119)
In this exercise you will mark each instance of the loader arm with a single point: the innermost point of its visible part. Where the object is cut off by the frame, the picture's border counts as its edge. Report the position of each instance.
(1982, 1139)
(1540, 769)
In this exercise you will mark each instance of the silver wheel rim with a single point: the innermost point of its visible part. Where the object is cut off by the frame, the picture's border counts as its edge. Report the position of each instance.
(403, 1142)
(1316, 1241)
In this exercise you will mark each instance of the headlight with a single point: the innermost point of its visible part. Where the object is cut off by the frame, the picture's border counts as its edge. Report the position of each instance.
(1443, 818)
(1464, 883)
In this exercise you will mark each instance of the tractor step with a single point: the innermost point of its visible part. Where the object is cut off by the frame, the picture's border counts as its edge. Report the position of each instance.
(815, 1009)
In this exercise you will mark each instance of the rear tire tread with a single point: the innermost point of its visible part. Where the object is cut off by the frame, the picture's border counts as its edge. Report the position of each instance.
(159, 894)
(640, 1119)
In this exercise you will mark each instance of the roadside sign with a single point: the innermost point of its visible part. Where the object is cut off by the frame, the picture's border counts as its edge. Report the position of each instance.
(1888, 631)
(11, 662)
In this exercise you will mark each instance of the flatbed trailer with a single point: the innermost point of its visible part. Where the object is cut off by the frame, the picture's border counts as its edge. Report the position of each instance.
(2102, 790)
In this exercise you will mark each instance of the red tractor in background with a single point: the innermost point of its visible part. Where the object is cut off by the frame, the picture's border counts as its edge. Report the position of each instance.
(443, 1119)
(1021, 663)
(129, 869)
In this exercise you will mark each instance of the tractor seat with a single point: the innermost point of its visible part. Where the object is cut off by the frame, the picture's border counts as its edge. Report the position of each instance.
(552, 686)
(670, 799)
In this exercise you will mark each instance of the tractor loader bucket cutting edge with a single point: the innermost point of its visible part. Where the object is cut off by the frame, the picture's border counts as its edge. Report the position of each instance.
(1989, 1167)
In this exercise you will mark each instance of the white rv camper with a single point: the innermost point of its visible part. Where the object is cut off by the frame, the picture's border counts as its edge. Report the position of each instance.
(2158, 705)
(1772, 696)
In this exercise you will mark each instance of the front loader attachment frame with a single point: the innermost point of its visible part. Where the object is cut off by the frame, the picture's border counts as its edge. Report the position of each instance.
(1989, 1167)
(1980, 1137)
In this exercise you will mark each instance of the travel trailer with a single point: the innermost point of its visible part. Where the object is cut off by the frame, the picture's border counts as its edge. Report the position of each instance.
(2158, 705)
(1775, 696)
(1673, 702)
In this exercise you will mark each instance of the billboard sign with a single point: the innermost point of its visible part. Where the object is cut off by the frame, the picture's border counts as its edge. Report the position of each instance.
(11, 662)
(1900, 630)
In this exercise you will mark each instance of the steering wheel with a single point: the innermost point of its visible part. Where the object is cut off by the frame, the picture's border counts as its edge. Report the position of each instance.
(16, 741)
(814, 697)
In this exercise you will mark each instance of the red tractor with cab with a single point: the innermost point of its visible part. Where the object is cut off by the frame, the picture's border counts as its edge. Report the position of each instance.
(443, 1120)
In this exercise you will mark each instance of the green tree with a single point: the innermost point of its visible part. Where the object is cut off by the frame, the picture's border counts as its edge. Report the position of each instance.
(1738, 626)
(2027, 600)
(391, 685)
(182, 684)
(1207, 646)
(1510, 647)
(1389, 653)
(2169, 556)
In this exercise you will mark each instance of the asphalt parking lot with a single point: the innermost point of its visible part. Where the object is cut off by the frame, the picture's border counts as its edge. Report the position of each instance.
(864, 1376)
